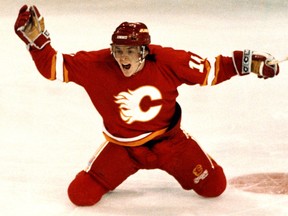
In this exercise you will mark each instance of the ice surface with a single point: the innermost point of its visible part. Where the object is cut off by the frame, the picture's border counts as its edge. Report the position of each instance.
(48, 130)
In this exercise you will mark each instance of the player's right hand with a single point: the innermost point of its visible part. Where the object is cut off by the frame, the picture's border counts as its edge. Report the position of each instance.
(30, 27)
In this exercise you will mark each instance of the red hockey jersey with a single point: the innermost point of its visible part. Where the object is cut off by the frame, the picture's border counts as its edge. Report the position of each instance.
(133, 107)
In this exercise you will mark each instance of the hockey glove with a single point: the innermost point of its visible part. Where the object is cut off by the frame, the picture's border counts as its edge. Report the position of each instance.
(30, 27)
(248, 61)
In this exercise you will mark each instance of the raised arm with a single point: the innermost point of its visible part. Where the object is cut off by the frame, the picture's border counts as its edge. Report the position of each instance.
(30, 27)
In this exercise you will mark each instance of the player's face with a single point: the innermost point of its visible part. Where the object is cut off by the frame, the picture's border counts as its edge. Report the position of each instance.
(128, 58)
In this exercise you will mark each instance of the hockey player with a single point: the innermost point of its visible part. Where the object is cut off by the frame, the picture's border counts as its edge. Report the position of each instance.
(133, 85)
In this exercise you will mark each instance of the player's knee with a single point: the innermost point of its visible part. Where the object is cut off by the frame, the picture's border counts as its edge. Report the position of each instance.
(84, 190)
(215, 184)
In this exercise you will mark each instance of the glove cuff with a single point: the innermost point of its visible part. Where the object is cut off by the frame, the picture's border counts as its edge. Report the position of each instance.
(40, 41)
(242, 61)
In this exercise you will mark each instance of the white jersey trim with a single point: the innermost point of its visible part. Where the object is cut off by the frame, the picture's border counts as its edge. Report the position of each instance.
(211, 75)
(59, 67)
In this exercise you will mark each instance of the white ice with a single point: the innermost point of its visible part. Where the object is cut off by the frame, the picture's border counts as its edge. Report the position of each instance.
(49, 130)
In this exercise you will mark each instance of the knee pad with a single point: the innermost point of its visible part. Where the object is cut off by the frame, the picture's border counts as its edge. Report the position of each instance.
(84, 190)
(214, 185)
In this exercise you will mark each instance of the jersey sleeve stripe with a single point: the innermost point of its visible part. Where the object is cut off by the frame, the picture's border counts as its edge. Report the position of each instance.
(212, 73)
(65, 73)
(208, 72)
(53, 68)
(61, 70)
(217, 70)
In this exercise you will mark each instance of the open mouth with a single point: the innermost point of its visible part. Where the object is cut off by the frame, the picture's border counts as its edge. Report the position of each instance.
(127, 67)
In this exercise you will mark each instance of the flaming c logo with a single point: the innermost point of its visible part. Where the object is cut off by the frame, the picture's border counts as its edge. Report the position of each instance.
(130, 104)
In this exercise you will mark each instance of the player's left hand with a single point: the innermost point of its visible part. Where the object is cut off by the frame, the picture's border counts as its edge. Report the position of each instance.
(248, 61)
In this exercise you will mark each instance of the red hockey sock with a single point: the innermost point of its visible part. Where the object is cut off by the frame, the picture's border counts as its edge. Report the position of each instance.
(85, 191)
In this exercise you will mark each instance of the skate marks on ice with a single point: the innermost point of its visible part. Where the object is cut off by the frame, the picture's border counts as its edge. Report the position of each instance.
(265, 183)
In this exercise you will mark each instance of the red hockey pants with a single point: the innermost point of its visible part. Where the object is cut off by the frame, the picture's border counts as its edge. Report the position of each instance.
(178, 154)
